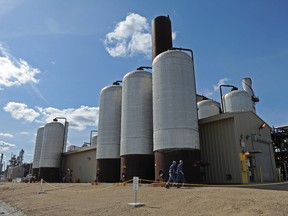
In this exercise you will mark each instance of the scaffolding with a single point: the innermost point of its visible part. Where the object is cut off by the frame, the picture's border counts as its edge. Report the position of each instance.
(280, 145)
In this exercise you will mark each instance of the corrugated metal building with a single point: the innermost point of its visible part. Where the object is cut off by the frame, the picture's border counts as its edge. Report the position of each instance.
(234, 149)
(83, 163)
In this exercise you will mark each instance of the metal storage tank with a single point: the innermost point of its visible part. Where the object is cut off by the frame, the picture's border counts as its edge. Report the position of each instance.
(161, 35)
(136, 147)
(207, 108)
(94, 140)
(109, 129)
(37, 151)
(51, 152)
(238, 101)
(175, 121)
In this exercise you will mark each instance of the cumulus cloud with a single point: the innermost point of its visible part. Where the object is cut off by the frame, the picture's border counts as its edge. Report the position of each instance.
(78, 118)
(21, 111)
(15, 72)
(221, 82)
(4, 146)
(6, 135)
(210, 93)
(24, 133)
(130, 37)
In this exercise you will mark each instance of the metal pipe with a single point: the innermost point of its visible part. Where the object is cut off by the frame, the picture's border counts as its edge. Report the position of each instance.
(117, 82)
(233, 88)
(143, 67)
(184, 49)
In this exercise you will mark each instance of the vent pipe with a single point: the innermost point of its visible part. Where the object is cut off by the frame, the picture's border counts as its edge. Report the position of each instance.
(161, 35)
(247, 86)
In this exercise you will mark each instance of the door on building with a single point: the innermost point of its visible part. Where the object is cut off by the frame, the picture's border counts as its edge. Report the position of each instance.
(263, 162)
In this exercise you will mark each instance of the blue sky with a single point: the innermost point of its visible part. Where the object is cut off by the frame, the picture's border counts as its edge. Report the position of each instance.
(56, 56)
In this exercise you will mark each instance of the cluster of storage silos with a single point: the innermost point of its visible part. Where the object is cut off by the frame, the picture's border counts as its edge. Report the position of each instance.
(50, 143)
(151, 119)
(148, 121)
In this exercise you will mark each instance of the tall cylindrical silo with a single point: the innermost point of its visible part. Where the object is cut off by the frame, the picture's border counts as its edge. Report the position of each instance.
(136, 147)
(109, 129)
(37, 151)
(207, 108)
(175, 121)
(51, 152)
(161, 35)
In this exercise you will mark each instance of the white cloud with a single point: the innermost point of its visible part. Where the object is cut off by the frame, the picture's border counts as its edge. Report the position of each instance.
(130, 37)
(4, 146)
(6, 135)
(24, 133)
(221, 82)
(21, 111)
(78, 118)
(15, 72)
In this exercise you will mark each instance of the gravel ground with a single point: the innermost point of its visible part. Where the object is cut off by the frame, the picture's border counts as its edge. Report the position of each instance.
(112, 199)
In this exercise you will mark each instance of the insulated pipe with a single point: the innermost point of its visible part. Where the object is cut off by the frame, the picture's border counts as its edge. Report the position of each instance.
(161, 35)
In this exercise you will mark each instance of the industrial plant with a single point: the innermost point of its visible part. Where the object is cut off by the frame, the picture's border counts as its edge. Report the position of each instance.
(149, 119)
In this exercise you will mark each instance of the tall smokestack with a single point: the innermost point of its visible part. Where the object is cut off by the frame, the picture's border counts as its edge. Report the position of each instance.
(161, 35)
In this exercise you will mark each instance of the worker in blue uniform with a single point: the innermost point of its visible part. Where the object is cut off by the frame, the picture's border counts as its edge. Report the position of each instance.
(180, 174)
(172, 174)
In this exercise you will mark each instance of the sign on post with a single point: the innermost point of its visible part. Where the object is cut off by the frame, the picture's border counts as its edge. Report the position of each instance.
(135, 183)
(135, 188)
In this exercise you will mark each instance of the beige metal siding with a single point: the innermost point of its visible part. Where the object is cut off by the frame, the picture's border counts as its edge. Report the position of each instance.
(221, 137)
(247, 126)
(219, 151)
(83, 164)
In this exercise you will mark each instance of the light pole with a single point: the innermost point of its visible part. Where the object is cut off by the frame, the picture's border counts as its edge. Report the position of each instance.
(91, 136)
(65, 132)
